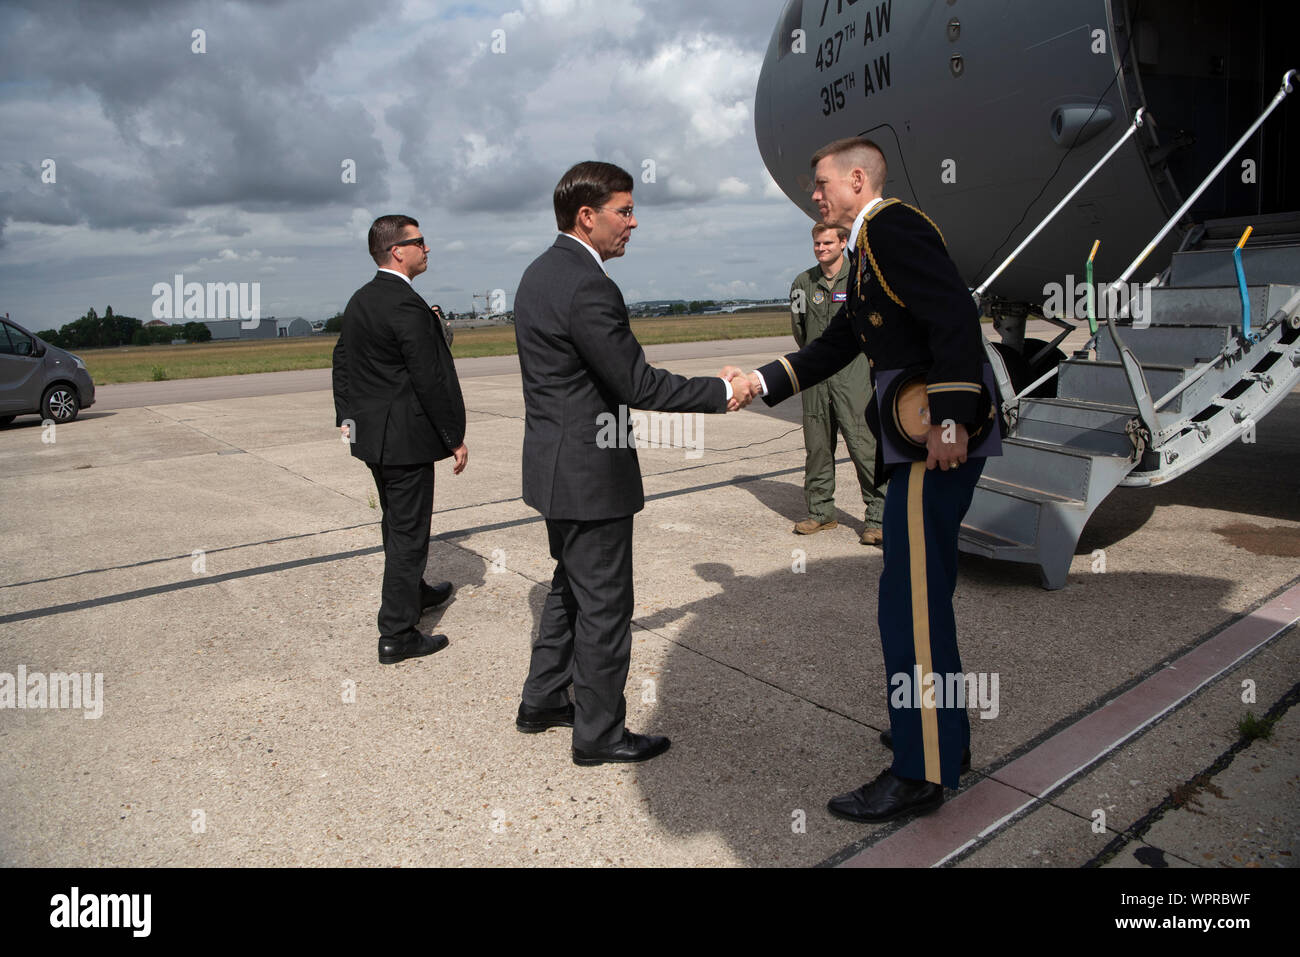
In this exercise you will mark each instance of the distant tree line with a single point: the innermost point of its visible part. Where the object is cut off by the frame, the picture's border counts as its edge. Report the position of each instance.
(693, 308)
(93, 331)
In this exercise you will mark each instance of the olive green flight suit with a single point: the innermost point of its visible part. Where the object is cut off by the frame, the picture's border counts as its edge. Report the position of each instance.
(839, 402)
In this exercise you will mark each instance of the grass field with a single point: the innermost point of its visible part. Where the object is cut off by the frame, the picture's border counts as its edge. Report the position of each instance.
(139, 363)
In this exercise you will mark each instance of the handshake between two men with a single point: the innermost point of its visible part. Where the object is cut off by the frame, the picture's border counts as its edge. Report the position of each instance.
(579, 362)
(946, 444)
(744, 388)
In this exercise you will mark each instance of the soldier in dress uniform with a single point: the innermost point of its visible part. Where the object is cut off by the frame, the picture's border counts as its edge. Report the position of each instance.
(907, 307)
(839, 403)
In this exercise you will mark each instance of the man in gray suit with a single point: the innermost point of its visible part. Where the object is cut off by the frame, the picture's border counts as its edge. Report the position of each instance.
(580, 364)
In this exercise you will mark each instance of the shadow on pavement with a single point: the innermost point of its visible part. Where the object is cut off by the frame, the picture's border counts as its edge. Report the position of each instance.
(774, 689)
(787, 501)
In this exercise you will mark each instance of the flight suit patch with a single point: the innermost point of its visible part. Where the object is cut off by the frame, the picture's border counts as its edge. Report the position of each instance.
(818, 296)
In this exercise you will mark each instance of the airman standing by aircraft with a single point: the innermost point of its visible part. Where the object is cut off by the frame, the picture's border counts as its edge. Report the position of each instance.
(839, 403)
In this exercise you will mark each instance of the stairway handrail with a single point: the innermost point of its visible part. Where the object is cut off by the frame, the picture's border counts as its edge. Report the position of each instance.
(1132, 128)
(1231, 349)
(1146, 406)
(1173, 220)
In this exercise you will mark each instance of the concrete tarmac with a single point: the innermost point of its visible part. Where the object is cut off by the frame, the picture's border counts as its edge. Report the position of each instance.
(216, 560)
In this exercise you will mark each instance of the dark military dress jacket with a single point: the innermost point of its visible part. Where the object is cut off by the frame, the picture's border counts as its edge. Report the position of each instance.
(907, 307)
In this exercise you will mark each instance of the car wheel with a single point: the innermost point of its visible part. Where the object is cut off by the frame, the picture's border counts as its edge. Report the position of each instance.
(60, 404)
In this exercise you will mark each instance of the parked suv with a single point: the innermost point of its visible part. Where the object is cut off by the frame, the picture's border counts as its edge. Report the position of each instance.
(37, 378)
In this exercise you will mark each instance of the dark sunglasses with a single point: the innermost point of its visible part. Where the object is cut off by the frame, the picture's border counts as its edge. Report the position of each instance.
(417, 241)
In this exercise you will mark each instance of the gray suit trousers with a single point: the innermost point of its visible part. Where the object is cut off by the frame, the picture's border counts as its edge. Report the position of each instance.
(585, 633)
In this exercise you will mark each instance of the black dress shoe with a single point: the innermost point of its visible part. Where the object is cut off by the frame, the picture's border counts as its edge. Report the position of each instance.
(392, 651)
(533, 720)
(431, 596)
(887, 740)
(886, 798)
(633, 747)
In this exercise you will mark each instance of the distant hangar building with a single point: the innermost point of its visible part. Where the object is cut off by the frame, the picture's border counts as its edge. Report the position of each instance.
(268, 328)
(293, 326)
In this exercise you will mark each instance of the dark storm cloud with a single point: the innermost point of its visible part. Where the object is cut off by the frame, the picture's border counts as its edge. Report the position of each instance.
(664, 89)
(242, 123)
(80, 195)
(462, 127)
(232, 158)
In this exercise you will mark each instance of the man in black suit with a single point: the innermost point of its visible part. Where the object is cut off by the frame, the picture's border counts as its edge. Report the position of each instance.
(582, 369)
(398, 402)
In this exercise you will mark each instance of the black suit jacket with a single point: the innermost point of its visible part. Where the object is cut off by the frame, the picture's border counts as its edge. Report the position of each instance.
(580, 363)
(394, 378)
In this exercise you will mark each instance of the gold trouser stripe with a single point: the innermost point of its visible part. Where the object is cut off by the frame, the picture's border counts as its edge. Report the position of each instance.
(921, 615)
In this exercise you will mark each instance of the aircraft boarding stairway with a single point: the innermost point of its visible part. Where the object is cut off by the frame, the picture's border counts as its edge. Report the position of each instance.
(1151, 397)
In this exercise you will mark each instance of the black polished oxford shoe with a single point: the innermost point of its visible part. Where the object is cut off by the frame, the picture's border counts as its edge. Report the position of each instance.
(886, 798)
(533, 720)
(633, 747)
(887, 740)
(392, 651)
(431, 596)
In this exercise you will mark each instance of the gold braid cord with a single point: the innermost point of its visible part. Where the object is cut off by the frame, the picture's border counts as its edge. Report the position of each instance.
(864, 245)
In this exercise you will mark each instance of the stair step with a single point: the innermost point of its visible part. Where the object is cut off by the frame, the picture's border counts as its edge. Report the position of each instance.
(1104, 381)
(1015, 519)
(1183, 346)
(1024, 492)
(980, 542)
(1075, 427)
(1215, 267)
(1216, 305)
(1045, 446)
(1031, 502)
(1098, 414)
(1043, 466)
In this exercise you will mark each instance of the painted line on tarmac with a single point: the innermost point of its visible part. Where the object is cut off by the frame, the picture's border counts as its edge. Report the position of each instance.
(183, 585)
(187, 556)
(342, 556)
(442, 511)
(1010, 791)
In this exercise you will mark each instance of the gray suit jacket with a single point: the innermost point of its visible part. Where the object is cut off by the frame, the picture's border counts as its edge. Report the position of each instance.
(580, 363)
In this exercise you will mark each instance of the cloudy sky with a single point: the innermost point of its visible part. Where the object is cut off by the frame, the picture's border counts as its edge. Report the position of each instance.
(228, 165)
